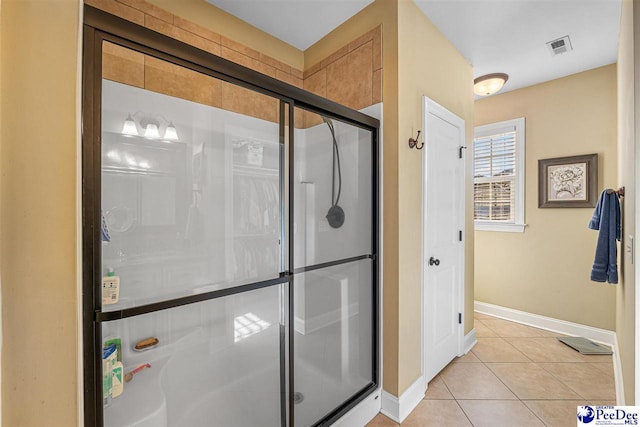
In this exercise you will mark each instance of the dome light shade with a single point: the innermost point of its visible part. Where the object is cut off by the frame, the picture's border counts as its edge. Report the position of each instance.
(489, 84)
(129, 127)
(171, 133)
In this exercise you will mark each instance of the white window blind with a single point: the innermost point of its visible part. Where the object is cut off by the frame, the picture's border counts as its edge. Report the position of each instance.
(498, 173)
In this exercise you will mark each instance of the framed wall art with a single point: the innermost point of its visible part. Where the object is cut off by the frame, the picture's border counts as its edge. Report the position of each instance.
(568, 182)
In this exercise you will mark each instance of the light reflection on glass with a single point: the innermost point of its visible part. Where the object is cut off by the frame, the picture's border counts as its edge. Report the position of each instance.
(248, 324)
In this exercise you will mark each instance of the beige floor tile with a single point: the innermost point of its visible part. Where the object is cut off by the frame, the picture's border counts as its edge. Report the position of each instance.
(506, 329)
(437, 390)
(530, 381)
(382, 421)
(607, 368)
(584, 378)
(437, 414)
(497, 350)
(474, 381)
(467, 358)
(499, 413)
(555, 413)
(483, 330)
(601, 403)
(597, 358)
(545, 350)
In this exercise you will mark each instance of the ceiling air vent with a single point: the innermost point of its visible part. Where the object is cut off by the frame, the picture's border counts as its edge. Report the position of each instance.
(560, 46)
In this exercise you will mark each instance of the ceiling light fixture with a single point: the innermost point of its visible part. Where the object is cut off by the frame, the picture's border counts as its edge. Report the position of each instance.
(129, 128)
(489, 84)
(150, 126)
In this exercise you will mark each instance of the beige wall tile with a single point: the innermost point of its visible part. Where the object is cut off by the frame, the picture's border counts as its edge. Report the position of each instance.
(349, 79)
(122, 65)
(335, 56)
(376, 87)
(312, 70)
(248, 102)
(377, 50)
(239, 47)
(275, 63)
(254, 64)
(288, 78)
(196, 29)
(362, 39)
(297, 73)
(184, 36)
(149, 9)
(118, 9)
(317, 83)
(173, 80)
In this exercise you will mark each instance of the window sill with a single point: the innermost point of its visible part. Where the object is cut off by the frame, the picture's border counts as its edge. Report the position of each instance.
(508, 228)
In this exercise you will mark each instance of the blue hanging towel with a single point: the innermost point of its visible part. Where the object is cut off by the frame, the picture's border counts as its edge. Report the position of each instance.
(606, 218)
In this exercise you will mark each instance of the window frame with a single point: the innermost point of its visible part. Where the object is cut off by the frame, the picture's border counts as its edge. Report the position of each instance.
(518, 225)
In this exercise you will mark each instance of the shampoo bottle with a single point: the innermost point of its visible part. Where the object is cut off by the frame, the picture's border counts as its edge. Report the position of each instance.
(110, 288)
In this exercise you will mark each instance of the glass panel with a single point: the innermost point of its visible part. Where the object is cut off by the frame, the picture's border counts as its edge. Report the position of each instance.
(332, 190)
(216, 360)
(333, 338)
(190, 181)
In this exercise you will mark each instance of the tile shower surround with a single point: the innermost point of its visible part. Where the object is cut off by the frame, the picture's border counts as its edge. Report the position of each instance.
(351, 76)
(515, 376)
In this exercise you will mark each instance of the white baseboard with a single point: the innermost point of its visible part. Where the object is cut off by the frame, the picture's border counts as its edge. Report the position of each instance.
(598, 335)
(399, 408)
(362, 413)
(469, 341)
(617, 375)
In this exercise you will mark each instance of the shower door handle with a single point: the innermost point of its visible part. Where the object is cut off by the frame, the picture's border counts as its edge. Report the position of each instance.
(434, 261)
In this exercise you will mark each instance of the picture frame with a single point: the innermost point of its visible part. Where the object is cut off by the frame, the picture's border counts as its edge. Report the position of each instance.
(568, 182)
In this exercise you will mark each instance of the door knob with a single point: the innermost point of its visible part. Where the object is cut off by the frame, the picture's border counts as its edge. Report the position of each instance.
(434, 261)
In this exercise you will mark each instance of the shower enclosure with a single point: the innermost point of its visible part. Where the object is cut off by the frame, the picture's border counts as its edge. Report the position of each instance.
(229, 241)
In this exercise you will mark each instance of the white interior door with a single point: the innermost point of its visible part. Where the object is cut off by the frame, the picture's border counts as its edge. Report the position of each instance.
(443, 231)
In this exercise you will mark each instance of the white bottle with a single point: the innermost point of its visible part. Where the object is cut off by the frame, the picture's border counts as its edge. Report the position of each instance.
(110, 288)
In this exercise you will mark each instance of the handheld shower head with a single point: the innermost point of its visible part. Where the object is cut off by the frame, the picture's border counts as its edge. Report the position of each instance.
(335, 216)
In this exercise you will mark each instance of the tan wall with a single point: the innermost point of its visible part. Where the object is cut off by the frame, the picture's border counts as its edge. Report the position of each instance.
(39, 49)
(428, 65)
(625, 301)
(546, 269)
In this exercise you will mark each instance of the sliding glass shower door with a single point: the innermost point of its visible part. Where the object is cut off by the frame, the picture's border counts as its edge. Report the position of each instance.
(230, 272)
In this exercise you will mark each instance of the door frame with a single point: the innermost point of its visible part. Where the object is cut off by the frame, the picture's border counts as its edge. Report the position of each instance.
(429, 106)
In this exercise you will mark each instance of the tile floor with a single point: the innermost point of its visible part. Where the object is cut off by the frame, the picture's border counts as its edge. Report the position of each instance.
(515, 376)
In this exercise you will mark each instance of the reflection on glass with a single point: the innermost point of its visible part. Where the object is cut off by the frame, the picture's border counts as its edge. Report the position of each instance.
(205, 368)
(190, 183)
(332, 184)
(333, 337)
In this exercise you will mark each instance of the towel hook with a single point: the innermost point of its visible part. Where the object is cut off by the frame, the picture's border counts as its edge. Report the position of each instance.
(414, 142)
(619, 191)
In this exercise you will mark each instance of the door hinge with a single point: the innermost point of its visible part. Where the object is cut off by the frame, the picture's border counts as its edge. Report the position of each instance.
(460, 318)
(460, 235)
(460, 148)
